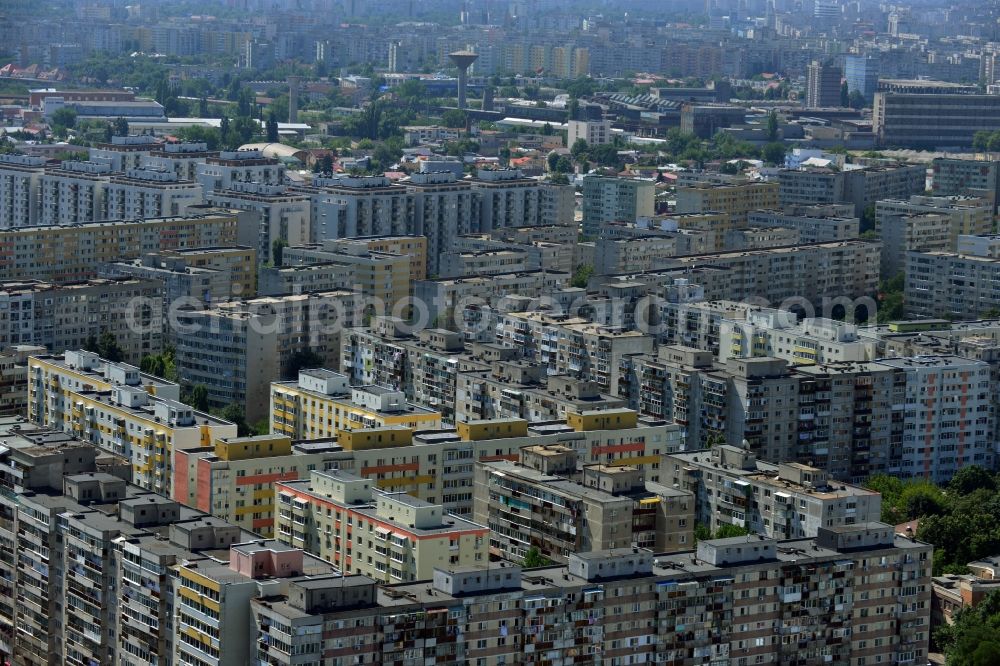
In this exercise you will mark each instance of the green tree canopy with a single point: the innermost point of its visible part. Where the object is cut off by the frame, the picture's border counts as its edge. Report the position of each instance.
(582, 276)
(534, 558)
(455, 118)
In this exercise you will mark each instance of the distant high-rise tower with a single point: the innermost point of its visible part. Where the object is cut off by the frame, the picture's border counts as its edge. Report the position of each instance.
(861, 73)
(823, 85)
(463, 60)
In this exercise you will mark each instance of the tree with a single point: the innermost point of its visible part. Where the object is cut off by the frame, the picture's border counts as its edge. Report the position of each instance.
(455, 118)
(121, 126)
(579, 149)
(728, 531)
(203, 107)
(969, 479)
(774, 153)
(388, 152)
(303, 360)
(573, 108)
(106, 346)
(868, 217)
(921, 499)
(271, 128)
(845, 95)
(772, 126)
(890, 298)
(973, 639)
(198, 398)
(582, 275)
(559, 163)
(857, 100)
(534, 558)
(605, 155)
(277, 247)
(233, 412)
(64, 117)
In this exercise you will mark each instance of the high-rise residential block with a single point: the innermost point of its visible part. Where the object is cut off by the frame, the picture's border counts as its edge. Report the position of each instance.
(612, 199)
(391, 537)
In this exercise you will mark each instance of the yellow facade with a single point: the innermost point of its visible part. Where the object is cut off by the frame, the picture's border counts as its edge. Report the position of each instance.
(474, 431)
(304, 414)
(246, 448)
(610, 419)
(374, 438)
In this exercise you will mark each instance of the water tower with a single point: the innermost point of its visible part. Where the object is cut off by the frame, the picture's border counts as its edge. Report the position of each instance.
(462, 60)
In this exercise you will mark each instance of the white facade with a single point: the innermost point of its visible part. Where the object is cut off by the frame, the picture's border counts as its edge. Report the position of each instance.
(778, 334)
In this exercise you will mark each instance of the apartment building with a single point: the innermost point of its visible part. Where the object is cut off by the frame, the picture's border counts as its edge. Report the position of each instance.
(948, 284)
(280, 215)
(327, 276)
(124, 153)
(148, 192)
(381, 277)
(526, 508)
(349, 206)
(14, 378)
(784, 501)
(440, 208)
(611, 199)
(121, 411)
(815, 224)
(185, 285)
(948, 422)
(822, 85)
(593, 132)
(901, 234)
(851, 418)
(70, 316)
(423, 367)
(968, 215)
(714, 225)
(236, 349)
(547, 501)
(66, 254)
(556, 205)
(735, 200)
(391, 537)
(221, 173)
(73, 193)
(641, 253)
(629, 604)
(20, 189)
(861, 186)
(437, 465)
(457, 301)
(754, 238)
(779, 333)
(239, 261)
(960, 177)
(524, 390)
(232, 477)
(183, 158)
(505, 198)
(572, 346)
(485, 262)
(414, 247)
(538, 254)
(811, 272)
(676, 385)
(322, 403)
